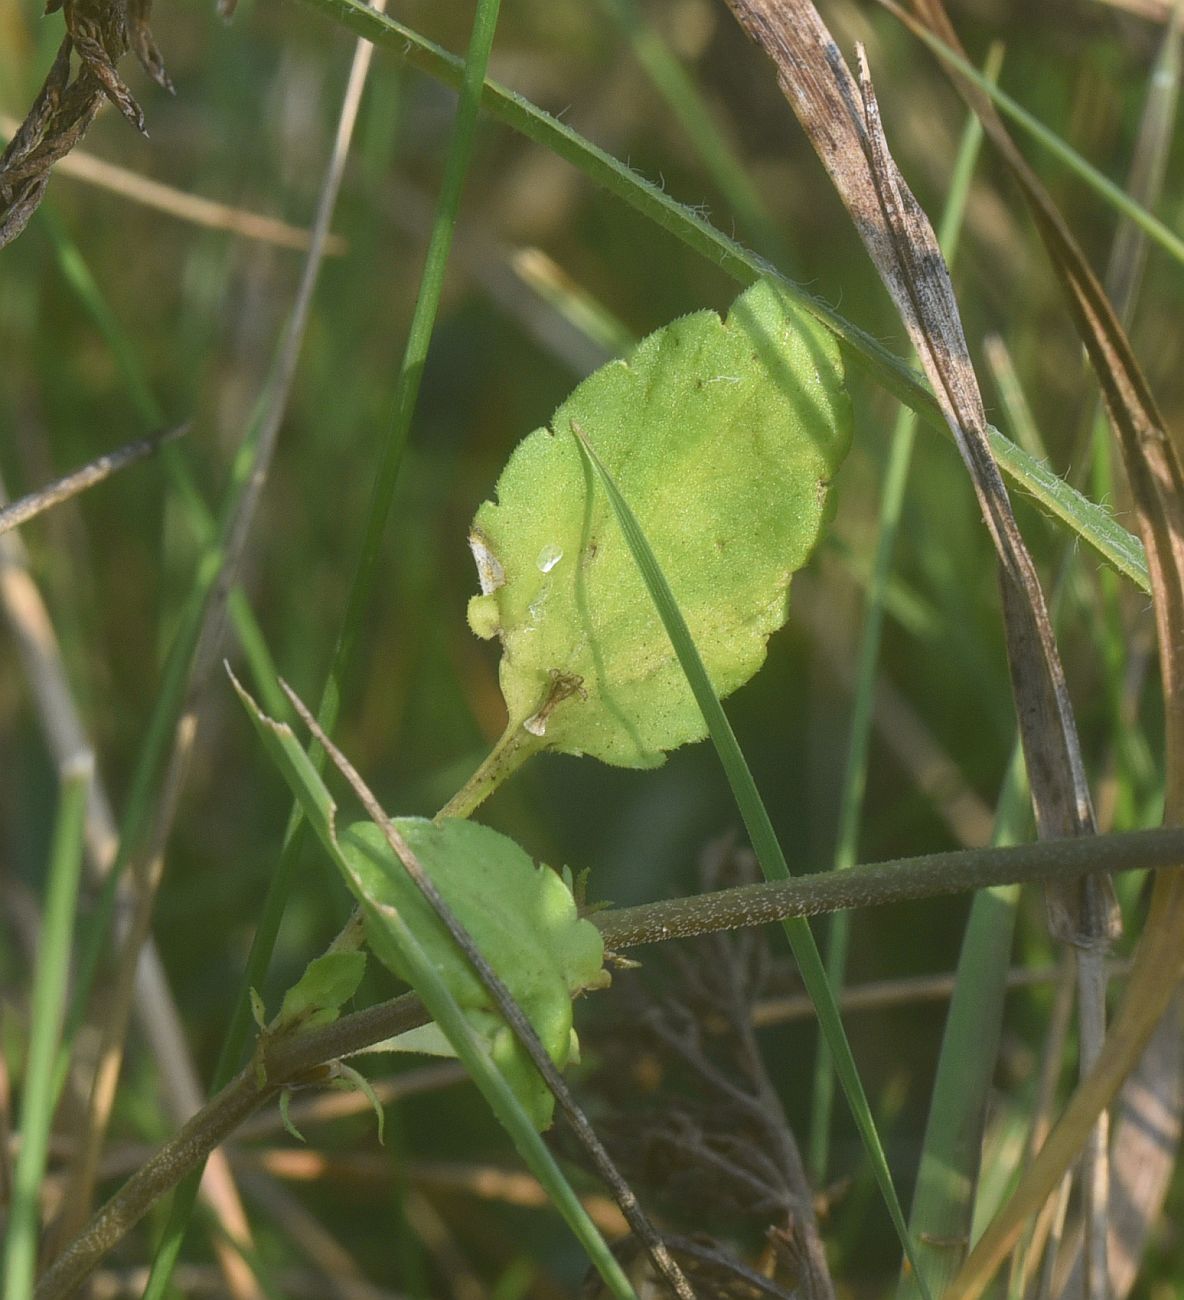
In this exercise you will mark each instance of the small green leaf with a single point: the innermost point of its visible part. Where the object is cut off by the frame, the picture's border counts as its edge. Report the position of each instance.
(328, 982)
(286, 1118)
(521, 916)
(351, 1078)
(724, 437)
(258, 1009)
(318, 806)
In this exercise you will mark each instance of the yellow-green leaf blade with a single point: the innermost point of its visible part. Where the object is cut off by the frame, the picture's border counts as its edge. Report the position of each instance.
(724, 435)
(522, 916)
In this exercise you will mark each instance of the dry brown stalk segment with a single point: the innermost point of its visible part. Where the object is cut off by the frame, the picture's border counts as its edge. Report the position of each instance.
(842, 121)
(1157, 485)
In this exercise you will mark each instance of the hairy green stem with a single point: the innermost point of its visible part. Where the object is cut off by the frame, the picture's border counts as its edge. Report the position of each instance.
(888, 882)
(1090, 520)
(284, 1060)
(513, 748)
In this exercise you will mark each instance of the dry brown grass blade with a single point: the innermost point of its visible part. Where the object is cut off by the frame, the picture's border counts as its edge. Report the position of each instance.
(842, 120)
(194, 208)
(906, 990)
(843, 123)
(102, 467)
(100, 32)
(67, 741)
(1157, 485)
(1156, 11)
(1146, 1144)
(1149, 161)
(1142, 1153)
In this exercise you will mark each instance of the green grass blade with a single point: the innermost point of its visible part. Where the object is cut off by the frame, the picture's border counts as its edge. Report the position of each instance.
(139, 801)
(170, 696)
(859, 743)
(362, 585)
(202, 524)
(423, 321)
(320, 813)
(473, 1054)
(605, 331)
(1102, 185)
(74, 270)
(950, 1195)
(47, 1004)
(947, 1178)
(1092, 522)
(764, 841)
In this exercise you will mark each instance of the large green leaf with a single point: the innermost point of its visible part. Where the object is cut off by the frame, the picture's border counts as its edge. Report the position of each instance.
(724, 437)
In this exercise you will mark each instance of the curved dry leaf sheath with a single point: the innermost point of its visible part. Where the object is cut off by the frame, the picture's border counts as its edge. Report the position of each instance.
(99, 32)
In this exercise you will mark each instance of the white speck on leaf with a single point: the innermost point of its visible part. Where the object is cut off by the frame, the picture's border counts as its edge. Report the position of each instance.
(490, 573)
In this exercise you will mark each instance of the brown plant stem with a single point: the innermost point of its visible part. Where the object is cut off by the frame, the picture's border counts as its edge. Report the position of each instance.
(282, 1061)
(1156, 477)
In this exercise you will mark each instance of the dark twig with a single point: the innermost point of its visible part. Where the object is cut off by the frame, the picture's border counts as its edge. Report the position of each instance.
(284, 1060)
(888, 882)
(712, 1141)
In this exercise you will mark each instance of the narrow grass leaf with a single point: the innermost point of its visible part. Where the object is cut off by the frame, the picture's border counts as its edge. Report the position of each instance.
(544, 948)
(1102, 185)
(1156, 479)
(459, 154)
(764, 839)
(842, 119)
(248, 475)
(686, 102)
(47, 1004)
(471, 77)
(859, 740)
(139, 801)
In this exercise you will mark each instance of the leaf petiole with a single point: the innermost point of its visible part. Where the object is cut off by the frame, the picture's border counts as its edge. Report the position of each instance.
(513, 748)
